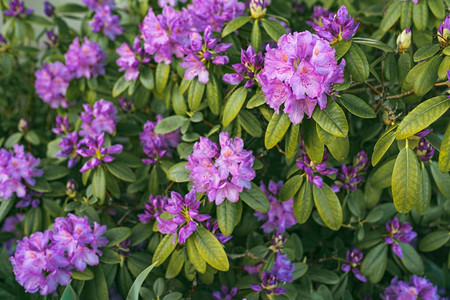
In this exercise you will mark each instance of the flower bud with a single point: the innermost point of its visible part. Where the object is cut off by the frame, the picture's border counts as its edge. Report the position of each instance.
(48, 9)
(125, 105)
(404, 40)
(71, 188)
(258, 8)
(23, 125)
(444, 32)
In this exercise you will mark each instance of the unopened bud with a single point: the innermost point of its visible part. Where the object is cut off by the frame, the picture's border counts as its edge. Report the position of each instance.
(23, 125)
(71, 188)
(404, 40)
(125, 105)
(258, 8)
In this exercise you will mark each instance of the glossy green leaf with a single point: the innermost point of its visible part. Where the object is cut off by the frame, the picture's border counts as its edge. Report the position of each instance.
(5, 207)
(290, 188)
(32, 137)
(382, 145)
(110, 257)
(53, 172)
(376, 257)
(117, 235)
(255, 37)
(99, 183)
(341, 48)
(258, 99)
(437, 7)
(71, 8)
(147, 78)
(195, 94)
(357, 63)
(250, 123)
(406, 15)
(121, 170)
(96, 288)
(255, 198)
(426, 51)
(323, 276)
(328, 205)
(211, 249)
(424, 198)
(444, 153)
(373, 43)
(434, 240)
(338, 146)
(235, 24)
(292, 140)
(357, 106)
(442, 180)
(176, 263)
(303, 203)
(274, 29)
(426, 78)
(381, 177)
(444, 66)
(278, 125)
(87, 274)
(420, 15)
(313, 145)
(233, 105)
(161, 77)
(404, 66)
(33, 221)
(411, 259)
(133, 294)
(194, 257)
(178, 172)
(13, 139)
(120, 86)
(69, 293)
(391, 16)
(214, 94)
(164, 249)
(332, 119)
(227, 213)
(169, 124)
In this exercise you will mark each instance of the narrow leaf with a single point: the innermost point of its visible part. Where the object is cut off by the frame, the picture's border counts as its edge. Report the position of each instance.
(133, 294)
(274, 29)
(235, 24)
(328, 205)
(255, 198)
(444, 153)
(411, 259)
(161, 77)
(338, 146)
(357, 106)
(234, 105)
(303, 203)
(424, 197)
(314, 146)
(169, 124)
(120, 86)
(290, 188)
(178, 172)
(194, 257)
(164, 249)
(382, 145)
(277, 127)
(121, 170)
(226, 217)
(373, 43)
(434, 240)
(211, 249)
(332, 119)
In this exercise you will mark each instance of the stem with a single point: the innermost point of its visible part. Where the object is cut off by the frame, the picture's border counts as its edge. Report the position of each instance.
(400, 95)
(208, 123)
(280, 150)
(374, 88)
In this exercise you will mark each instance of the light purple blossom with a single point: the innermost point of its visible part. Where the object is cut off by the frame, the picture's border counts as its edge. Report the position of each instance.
(185, 216)
(99, 4)
(337, 26)
(317, 15)
(62, 125)
(413, 1)
(17, 9)
(280, 215)
(153, 208)
(283, 268)
(107, 23)
(417, 288)
(354, 260)
(100, 118)
(251, 64)
(31, 198)
(309, 167)
(69, 145)
(15, 166)
(221, 174)
(86, 60)
(48, 9)
(225, 293)
(349, 176)
(51, 84)
(131, 59)
(300, 77)
(398, 233)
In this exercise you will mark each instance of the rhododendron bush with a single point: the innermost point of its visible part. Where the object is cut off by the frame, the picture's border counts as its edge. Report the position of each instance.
(225, 149)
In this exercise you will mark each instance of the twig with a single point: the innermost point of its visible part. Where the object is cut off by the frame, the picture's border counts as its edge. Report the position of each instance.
(208, 123)
(280, 150)
(373, 88)
(400, 95)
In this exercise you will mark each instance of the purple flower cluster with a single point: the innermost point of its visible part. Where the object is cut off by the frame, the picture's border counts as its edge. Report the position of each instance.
(200, 52)
(99, 4)
(349, 176)
(157, 145)
(225, 293)
(99, 118)
(69, 145)
(354, 260)
(93, 148)
(23, 125)
(85, 60)
(398, 233)
(417, 288)
(153, 208)
(185, 214)
(221, 174)
(104, 21)
(299, 73)
(250, 66)
(17, 9)
(309, 167)
(15, 166)
(317, 15)
(444, 32)
(337, 26)
(46, 259)
(424, 150)
(280, 215)
(131, 59)
(51, 84)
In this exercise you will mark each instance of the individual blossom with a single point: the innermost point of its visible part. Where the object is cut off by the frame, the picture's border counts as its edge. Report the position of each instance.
(214, 13)
(398, 233)
(417, 288)
(69, 145)
(23, 125)
(130, 59)
(349, 176)
(269, 284)
(299, 77)
(49, 9)
(9, 225)
(125, 105)
(336, 27)
(213, 228)
(99, 118)
(15, 166)
(221, 174)
(404, 40)
(153, 208)
(92, 147)
(52, 39)
(51, 84)
(317, 15)
(201, 53)
(310, 168)
(258, 8)
(251, 64)
(155, 145)
(107, 23)
(444, 32)
(185, 216)
(283, 268)
(31, 198)
(354, 260)
(99, 4)
(424, 150)
(62, 125)
(280, 215)
(254, 269)
(225, 293)
(17, 9)
(85, 60)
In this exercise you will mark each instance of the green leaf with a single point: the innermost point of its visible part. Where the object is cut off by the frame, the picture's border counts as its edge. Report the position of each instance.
(53, 172)
(357, 63)
(357, 106)
(110, 257)
(69, 293)
(391, 16)
(133, 294)
(442, 179)
(32, 137)
(434, 240)
(210, 249)
(424, 198)
(323, 276)
(314, 146)
(420, 15)
(13, 139)
(5, 207)
(338, 146)
(178, 172)
(382, 145)
(235, 24)
(256, 36)
(437, 7)
(161, 77)
(376, 257)
(121, 171)
(99, 183)
(255, 198)
(406, 180)
(87, 274)
(169, 124)
(257, 100)
(277, 127)
(332, 119)
(71, 8)
(426, 78)
(444, 66)
(381, 177)
(404, 66)
(117, 235)
(147, 78)
(227, 213)
(444, 153)
(41, 186)
(96, 288)
(406, 15)
(178, 102)
(164, 249)
(234, 105)
(195, 94)
(140, 232)
(373, 43)
(328, 205)
(303, 203)
(176, 263)
(194, 257)
(274, 29)
(38, 20)
(290, 188)
(411, 259)
(250, 123)
(426, 51)
(120, 86)
(214, 94)
(292, 139)
(33, 221)
(341, 48)
(422, 116)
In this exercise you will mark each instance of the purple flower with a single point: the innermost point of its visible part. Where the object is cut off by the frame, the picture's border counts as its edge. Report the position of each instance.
(17, 9)
(317, 15)
(283, 268)
(349, 176)
(153, 208)
(444, 32)
(185, 214)
(86, 60)
(280, 215)
(104, 21)
(51, 84)
(9, 225)
(131, 59)
(251, 64)
(398, 233)
(361, 161)
(69, 145)
(23, 125)
(354, 260)
(71, 188)
(93, 149)
(52, 39)
(221, 174)
(101, 118)
(309, 167)
(157, 145)
(268, 284)
(413, 1)
(299, 77)
(48, 9)
(225, 293)
(31, 198)
(15, 166)
(2, 40)
(200, 53)
(337, 26)
(99, 4)
(417, 288)
(163, 3)
(214, 13)
(213, 229)
(62, 125)
(125, 105)
(424, 150)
